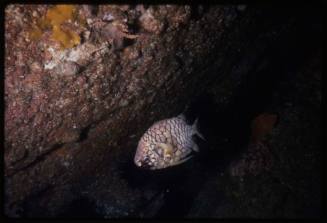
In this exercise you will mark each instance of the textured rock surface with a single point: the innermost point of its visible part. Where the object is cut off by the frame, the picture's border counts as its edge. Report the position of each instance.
(73, 115)
(290, 186)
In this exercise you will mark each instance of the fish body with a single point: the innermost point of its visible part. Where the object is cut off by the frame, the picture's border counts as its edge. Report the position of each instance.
(166, 143)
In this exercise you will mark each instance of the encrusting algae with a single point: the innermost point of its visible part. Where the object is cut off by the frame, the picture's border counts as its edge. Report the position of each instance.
(55, 17)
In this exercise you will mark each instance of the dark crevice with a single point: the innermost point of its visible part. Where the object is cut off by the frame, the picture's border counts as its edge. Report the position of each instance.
(37, 160)
(233, 123)
(31, 204)
(25, 155)
(196, 11)
(84, 133)
(80, 208)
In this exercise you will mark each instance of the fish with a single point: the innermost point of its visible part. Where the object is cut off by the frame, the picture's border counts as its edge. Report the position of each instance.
(167, 143)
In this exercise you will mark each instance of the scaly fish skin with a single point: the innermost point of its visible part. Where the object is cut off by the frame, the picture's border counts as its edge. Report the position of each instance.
(166, 143)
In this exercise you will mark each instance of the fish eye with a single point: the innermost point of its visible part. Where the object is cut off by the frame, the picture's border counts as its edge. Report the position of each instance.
(146, 163)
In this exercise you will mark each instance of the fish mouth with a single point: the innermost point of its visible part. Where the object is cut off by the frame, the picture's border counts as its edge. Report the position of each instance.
(144, 164)
(138, 163)
(137, 160)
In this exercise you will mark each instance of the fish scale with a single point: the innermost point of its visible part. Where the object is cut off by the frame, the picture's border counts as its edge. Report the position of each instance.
(166, 143)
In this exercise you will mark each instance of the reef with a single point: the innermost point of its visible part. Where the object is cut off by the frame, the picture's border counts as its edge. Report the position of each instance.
(83, 83)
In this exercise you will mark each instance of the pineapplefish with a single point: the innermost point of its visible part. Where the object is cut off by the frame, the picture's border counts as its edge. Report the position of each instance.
(167, 143)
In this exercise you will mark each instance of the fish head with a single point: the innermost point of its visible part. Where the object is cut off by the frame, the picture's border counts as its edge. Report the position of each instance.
(143, 157)
(151, 155)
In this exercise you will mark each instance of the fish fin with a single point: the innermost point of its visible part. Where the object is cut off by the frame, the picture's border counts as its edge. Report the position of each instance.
(195, 147)
(195, 129)
(181, 116)
(182, 160)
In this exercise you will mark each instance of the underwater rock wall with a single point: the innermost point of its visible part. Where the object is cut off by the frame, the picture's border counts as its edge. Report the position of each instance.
(83, 83)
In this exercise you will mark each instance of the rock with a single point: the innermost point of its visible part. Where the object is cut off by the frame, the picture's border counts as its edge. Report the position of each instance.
(67, 126)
